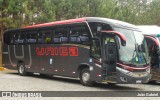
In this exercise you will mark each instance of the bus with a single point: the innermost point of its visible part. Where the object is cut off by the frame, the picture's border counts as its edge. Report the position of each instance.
(92, 49)
(152, 36)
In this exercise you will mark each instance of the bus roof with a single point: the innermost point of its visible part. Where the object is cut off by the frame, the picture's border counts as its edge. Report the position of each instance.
(88, 19)
(152, 30)
(57, 23)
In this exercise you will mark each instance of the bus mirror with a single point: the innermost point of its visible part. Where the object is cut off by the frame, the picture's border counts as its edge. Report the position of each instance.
(110, 53)
(153, 39)
(120, 35)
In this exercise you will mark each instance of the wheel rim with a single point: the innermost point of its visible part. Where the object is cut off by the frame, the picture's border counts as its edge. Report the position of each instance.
(85, 77)
(21, 69)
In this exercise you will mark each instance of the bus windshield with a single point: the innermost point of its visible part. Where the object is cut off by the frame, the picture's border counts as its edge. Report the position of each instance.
(135, 52)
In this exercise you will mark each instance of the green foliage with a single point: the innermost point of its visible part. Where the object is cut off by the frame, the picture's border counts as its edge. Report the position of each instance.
(19, 13)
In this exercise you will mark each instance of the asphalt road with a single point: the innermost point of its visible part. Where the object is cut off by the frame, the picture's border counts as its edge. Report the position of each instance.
(11, 81)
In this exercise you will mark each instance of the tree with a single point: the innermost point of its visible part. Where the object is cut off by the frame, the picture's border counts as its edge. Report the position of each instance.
(154, 13)
(10, 14)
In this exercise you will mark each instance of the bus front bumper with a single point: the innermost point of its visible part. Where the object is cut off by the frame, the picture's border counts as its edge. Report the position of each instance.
(126, 77)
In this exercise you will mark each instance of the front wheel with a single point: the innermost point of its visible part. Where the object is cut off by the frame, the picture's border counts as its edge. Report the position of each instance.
(85, 77)
(21, 69)
(152, 81)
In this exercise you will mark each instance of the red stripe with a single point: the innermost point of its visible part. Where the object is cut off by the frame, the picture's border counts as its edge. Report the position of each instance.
(117, 33)
(58, 23)
(153, 39)
(132, 68)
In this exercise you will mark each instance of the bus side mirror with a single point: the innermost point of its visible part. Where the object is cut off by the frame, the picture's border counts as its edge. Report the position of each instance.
(110, 53)
(120, 35)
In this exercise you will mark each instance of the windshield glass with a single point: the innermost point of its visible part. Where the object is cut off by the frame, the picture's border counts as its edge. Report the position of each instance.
(142, 47)
(135, 52)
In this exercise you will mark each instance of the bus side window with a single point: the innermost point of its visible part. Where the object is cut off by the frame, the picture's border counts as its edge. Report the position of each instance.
(61, 36)
(16, 38)
(31, 38)
(40, 38)
(9, 38)
(64, 37)
(47, 37)
(73, 38)
(21, 38)
(95, 49)
(94, 27)
(79, 35)
(84, 38)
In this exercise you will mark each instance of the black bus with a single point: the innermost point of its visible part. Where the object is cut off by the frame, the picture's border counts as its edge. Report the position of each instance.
(92, 49)
(152, 36)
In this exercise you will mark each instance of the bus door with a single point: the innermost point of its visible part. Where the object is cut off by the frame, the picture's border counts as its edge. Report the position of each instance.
(109, 57)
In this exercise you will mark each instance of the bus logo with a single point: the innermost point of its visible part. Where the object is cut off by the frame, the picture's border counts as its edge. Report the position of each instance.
(55, 51)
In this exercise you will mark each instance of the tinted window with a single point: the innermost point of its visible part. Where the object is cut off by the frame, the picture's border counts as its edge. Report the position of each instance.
(60, 35)
(47, 37)
(18, 38)
(95, 50)
(40, 38)
(9, 38)
(31, 37)
(21, 38)
(79, 35)
(95, 26)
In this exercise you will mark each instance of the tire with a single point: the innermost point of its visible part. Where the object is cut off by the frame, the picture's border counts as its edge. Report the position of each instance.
(152, 81)
(85, 77)
(21, 69)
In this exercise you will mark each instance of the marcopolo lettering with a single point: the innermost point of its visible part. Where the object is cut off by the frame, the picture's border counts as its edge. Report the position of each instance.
(55, 51)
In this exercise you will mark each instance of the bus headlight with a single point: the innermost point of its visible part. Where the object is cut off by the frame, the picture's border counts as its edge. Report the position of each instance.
(138, 74)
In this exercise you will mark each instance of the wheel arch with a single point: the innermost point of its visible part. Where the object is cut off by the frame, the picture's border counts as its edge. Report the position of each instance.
(19, 61)
(81, 67)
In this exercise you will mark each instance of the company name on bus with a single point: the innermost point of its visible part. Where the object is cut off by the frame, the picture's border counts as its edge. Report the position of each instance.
(57, 51)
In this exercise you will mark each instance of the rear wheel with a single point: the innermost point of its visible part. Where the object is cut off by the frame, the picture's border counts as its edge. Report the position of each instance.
(85, 77)
(21, 69)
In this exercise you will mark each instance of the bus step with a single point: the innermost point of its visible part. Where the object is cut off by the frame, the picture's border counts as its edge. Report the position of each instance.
(111, 78)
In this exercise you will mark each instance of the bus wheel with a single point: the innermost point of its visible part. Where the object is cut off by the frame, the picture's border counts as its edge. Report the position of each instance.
(152, 81)
(85, 77)
(21, 69)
